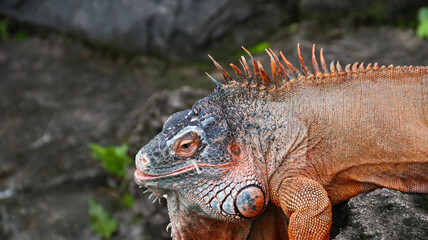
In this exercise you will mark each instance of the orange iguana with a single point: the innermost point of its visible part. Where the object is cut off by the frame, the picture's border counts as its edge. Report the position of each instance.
(300, 140)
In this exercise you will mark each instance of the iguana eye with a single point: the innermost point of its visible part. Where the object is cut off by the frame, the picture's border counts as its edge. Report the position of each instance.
(188, 145)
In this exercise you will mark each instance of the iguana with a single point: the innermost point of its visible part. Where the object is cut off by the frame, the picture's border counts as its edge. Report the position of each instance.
(300, 140)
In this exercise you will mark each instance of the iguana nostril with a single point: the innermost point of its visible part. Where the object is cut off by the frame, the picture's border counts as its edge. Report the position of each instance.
(140, 159)
(250, 201)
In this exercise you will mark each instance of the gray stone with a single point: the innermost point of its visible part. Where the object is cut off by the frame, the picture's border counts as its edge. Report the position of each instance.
(382, 214)
(188, 29)
(163, 28)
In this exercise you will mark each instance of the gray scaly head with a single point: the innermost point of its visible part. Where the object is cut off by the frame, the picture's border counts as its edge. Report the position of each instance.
(197, 162)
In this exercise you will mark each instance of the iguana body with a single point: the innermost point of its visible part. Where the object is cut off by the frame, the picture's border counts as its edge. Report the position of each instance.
(302, 141)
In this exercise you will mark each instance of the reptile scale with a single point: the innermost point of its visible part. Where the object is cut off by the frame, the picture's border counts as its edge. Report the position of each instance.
(292, 144)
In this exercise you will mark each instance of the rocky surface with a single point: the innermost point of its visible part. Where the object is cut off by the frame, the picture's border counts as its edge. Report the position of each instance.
(382, 214)
(186, 29)
(56, 96)
(162, 28)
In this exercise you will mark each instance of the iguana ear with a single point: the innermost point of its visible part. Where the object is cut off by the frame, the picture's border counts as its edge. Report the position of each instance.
(234, 149)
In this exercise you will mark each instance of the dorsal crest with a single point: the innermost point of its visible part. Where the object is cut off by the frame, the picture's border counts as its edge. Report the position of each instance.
(287, 76)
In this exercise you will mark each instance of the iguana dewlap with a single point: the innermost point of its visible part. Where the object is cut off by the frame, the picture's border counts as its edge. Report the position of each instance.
(301, 140)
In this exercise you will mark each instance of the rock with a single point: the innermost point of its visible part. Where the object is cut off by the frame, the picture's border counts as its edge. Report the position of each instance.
(171, 29)
(382, 214)
(187, 29)
(368, 11)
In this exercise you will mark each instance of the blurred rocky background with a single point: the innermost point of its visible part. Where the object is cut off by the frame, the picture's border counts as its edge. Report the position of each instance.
(85, 83)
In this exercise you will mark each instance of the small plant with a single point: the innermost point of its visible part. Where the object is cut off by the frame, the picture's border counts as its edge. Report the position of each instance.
(114, 161)
(291, 28)
(114, 158)
(259, 48)
(4, 29)
(20, 36)
(422, 29)
(127, 201)
(102, 223)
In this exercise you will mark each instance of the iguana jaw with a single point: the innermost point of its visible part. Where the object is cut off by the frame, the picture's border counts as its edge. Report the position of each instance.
(141, 177)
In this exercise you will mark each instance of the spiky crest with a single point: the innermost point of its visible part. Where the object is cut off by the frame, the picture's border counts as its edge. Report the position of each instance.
(225, 75)
(283, 77)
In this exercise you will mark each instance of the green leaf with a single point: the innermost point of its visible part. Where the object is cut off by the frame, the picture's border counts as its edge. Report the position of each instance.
(292, 27)
(422, 30)
(127, 201)
(259, 47)
(20, 36)
(102, 223)
(4, 29)
(114, 158)
(423, 14)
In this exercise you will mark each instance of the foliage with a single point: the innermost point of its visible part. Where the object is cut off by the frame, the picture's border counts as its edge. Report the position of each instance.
(4, 29)
(102, 223)
(259, 48)
(127, 201)
(114, 158)
(115, 161)
(20, 36)
(292, 27)
(422, 29)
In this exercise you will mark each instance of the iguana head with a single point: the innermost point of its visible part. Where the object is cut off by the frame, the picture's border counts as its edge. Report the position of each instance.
(197, 160)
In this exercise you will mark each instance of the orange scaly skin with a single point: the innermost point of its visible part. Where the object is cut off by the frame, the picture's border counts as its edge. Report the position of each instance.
(302, 141)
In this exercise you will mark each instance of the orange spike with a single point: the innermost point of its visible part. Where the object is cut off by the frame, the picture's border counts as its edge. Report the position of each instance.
(282, 72)
(302, 63)
(338, 67)
(369, 66)
(361, 67)
(323, 65)
(225, 75)
(314, 61)
(375, 66)
(238, 72)
(256, 71)
(245, 66)
(265, 78)
(249, 54)
(274, 71)
(296, 72)
(273, 68)
(332, 68)
(355, 66)
(348, 68)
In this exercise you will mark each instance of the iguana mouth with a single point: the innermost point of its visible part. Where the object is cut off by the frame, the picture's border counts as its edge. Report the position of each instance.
(141, 177)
